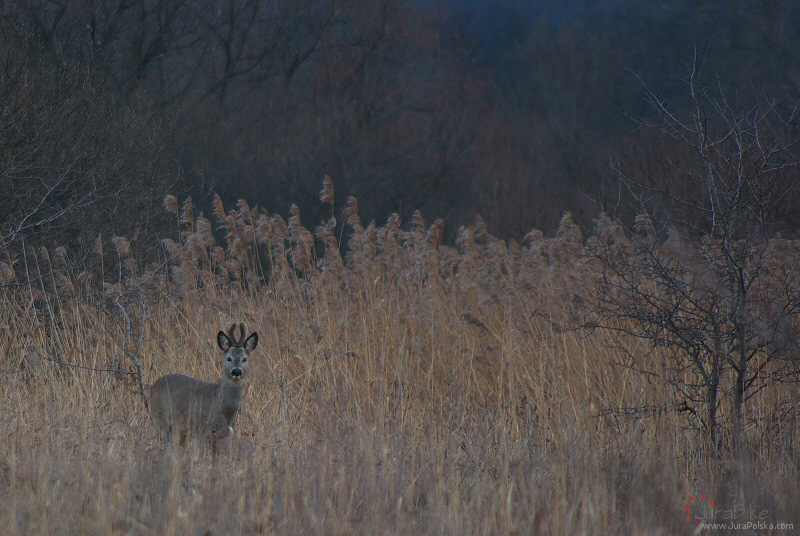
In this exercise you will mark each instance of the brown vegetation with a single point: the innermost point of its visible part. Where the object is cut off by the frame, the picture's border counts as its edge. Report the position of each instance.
(400, 387)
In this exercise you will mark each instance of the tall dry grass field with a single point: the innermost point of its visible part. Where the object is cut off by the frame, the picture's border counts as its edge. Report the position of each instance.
(402, 388)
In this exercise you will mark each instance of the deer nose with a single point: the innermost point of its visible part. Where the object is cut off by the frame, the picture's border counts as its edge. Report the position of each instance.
(236, 373)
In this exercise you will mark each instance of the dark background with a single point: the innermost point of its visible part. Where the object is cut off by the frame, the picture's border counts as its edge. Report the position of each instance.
(510, 110)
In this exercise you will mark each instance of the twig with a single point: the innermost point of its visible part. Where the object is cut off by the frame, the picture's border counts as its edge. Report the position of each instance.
(94, 369)
(131, 355)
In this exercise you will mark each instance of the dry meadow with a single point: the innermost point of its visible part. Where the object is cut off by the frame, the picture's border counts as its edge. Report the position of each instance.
(400, 387)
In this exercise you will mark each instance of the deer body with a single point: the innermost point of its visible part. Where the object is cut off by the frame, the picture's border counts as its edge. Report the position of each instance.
(185, 406)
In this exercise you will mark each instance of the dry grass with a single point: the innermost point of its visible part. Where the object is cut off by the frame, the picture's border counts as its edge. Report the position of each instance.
(407, 388)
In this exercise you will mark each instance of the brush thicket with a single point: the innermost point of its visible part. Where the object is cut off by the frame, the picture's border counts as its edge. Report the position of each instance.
(402, 387)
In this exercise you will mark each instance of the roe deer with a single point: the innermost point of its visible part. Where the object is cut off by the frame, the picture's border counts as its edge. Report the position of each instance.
(185, 406)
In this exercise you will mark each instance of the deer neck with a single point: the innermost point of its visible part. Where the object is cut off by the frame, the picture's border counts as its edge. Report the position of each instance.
(229, 395)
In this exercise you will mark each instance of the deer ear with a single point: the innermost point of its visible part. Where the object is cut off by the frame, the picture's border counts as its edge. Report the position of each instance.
(251, 343)
(223, 341)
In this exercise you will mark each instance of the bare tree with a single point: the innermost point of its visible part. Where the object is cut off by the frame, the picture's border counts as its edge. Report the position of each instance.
(71, 165)
(702, 274)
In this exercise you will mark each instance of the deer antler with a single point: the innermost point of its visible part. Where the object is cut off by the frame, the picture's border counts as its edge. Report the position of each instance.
(243, 329)
(230, 334)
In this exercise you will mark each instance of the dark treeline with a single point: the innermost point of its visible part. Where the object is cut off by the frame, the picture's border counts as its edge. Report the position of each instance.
(511, 110)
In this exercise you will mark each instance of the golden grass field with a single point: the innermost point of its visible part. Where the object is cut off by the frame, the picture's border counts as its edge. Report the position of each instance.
(405, 388)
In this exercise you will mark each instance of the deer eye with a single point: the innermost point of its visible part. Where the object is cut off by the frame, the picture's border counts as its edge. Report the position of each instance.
(229, 359)
(244, 360)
